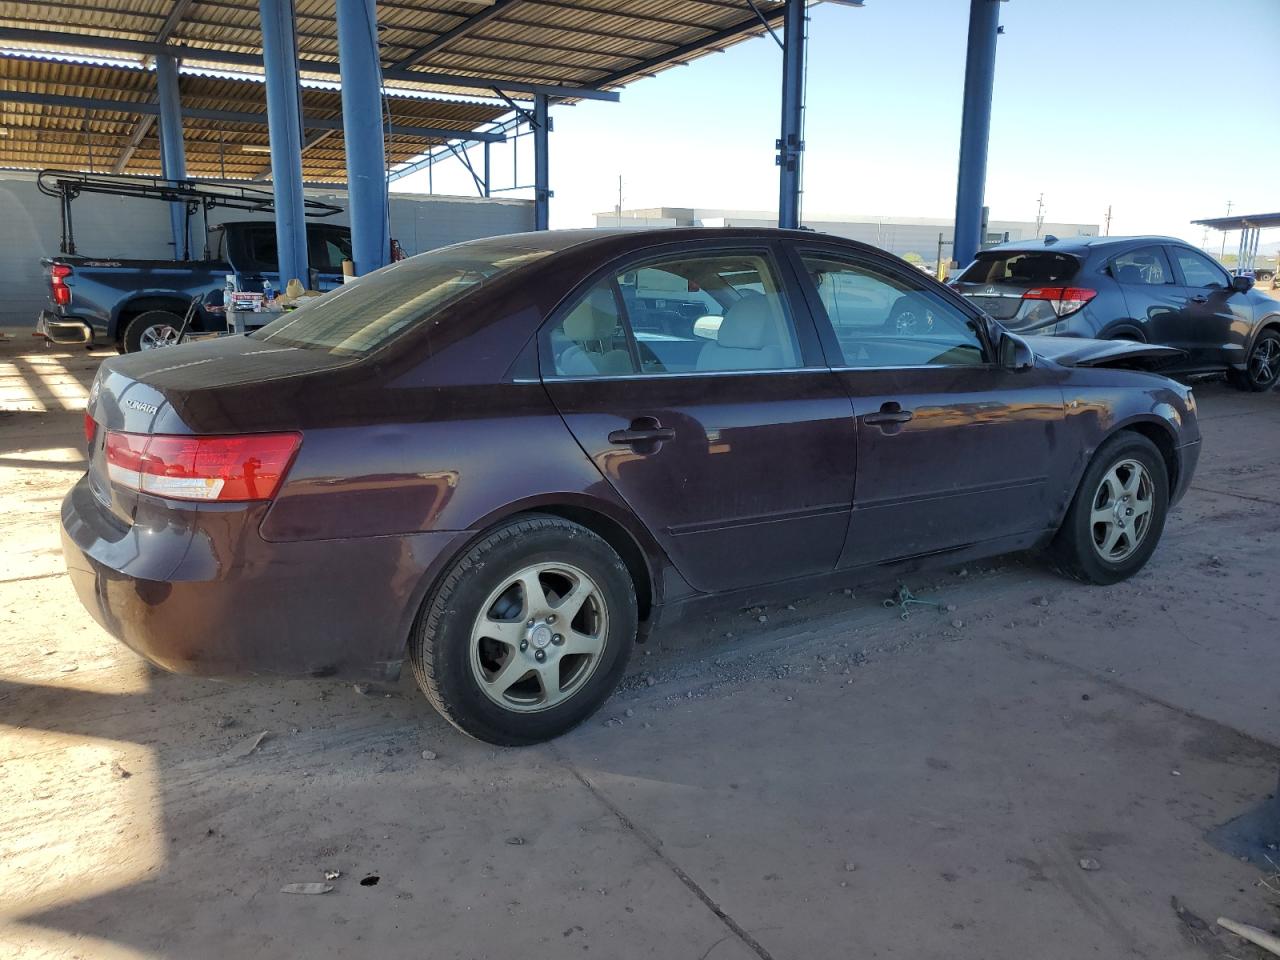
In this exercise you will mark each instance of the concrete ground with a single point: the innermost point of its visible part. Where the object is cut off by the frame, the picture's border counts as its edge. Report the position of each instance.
(828, 782)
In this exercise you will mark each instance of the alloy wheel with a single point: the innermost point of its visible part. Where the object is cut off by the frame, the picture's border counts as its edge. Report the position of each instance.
(1264, 362)
(1122, 511)
(158, 336)
(539, 637)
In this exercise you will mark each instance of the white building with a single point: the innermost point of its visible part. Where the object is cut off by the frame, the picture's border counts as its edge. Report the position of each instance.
(898, 235)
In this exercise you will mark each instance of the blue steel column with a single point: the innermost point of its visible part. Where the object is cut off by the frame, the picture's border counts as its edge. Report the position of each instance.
(975, 126)
(541, 167)
(362, 130)
(790, 144)
(284, 125)
(173, 153)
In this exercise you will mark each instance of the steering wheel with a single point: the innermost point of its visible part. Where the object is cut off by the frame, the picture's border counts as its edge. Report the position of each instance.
(909, 317)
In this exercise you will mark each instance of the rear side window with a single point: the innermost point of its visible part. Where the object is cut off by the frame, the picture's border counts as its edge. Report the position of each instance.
(1144, 266)
(1030, 268)
(359, 317)
(591, 340)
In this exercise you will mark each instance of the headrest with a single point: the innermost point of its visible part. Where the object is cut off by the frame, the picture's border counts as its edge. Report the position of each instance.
(595, 318)
(746, 324)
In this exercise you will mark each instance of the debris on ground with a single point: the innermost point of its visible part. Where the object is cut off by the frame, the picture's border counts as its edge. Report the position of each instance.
(69, 668)
(1041, 601)
(370, 881)
(1256, 936)
(1088, 863)
(332, 874)
(225, 721)
(247, 746)
(429, 755)
(516, 841)
(306, 889)
(905, 600)
(361, 688)
(120, 772)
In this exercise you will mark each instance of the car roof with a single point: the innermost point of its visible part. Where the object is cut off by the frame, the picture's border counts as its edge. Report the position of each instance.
(1080, 245)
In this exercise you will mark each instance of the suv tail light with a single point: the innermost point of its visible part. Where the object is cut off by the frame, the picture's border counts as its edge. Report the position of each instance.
(58, 274)
(1064, 300)
(224, 469)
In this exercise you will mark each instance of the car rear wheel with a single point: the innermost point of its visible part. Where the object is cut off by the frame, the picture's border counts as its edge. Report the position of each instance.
(151, 331)
(527, 634)
(1118, 513)
(1262, 369)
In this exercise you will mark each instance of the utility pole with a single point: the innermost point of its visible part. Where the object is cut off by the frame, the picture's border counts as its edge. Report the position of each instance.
(618, 209)
(1039, 214)
(1223, 252)
(1107, 231)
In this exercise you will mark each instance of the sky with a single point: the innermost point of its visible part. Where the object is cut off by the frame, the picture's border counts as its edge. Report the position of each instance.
(1164, 110)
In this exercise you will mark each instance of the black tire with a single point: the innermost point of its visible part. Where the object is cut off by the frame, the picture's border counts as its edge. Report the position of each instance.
(1259, 374)
(440, 648)
(131, 338)
(1074, 551)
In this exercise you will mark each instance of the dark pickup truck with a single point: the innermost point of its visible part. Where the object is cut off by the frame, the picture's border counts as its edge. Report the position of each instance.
(139, 304)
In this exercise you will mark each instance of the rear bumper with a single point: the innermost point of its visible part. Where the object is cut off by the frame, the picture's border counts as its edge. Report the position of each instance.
(65, 330)
(198, 591)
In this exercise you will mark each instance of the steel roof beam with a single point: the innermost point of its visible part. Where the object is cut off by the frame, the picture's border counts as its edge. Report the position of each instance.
(234, 116)
(148, 48)
(469, 25)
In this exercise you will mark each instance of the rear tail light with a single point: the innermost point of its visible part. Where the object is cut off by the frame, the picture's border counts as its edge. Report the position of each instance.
(58, 274)
(1064, 300)
(224, 469)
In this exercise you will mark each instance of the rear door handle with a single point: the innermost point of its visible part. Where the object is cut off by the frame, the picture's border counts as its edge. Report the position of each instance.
(890, 413)
(643, 430)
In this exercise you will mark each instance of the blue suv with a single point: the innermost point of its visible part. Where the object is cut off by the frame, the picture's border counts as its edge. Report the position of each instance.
(1150, 289)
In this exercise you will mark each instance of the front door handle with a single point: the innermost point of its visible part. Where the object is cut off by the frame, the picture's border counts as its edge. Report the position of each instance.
(643, 430)
(890, 414)
(1199, 298)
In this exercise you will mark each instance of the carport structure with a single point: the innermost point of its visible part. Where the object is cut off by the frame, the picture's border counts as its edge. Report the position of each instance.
(396, 63)
(1250, 227)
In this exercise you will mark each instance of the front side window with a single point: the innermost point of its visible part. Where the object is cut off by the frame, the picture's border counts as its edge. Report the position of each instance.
(882, 319)
(1198, 270)
(1144, 266)
(686, 314)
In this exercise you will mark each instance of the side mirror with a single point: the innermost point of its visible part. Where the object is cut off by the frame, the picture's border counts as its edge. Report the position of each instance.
(1242, 284)
(1015, 353)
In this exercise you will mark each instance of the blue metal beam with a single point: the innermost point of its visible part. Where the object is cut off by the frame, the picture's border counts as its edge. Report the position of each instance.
(791, 142)
(173, 152)
(541, 165)
(975, 127)
(284, 124)
(363, 134)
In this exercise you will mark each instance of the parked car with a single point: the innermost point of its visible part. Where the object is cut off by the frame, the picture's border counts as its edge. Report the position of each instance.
(140, 304)
(1148, 289)
(482, 460)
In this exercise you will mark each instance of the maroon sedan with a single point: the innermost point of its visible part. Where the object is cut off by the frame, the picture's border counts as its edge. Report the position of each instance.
(505, 459)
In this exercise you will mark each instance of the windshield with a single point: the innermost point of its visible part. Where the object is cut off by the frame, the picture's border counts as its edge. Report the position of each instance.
(361, 316)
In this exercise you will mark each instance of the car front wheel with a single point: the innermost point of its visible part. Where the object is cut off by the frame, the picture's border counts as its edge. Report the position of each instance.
(528, 633)
(1118, 513)
(1262, 369)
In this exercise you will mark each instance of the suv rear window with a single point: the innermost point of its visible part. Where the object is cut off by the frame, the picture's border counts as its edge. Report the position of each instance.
(1031, 268)
(361, 316)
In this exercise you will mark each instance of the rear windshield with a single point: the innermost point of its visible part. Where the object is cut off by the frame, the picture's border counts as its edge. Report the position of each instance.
(361, 316)
(1027, 267)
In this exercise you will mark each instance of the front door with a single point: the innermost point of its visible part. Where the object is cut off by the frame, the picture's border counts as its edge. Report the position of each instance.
(953, 450)
(700, 394)
(1218, 317)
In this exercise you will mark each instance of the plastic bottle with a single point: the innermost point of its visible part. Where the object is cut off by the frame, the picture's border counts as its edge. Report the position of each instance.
(268, 291)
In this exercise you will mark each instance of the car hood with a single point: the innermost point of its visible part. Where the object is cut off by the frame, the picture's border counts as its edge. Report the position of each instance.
(1076, 352)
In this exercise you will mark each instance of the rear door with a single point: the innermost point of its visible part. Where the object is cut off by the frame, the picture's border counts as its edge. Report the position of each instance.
(327, 247)
(1217, 317)
(953, 449)
(1152, 297)
(724, 431)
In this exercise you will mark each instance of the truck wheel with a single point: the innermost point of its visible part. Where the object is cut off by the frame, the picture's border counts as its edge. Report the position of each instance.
(528, 633)
(150, 331)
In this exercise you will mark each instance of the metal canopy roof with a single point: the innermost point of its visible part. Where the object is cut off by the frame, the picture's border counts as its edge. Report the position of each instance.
(567, 49)
(1262, 220)
(458, 45)
(53, 129)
